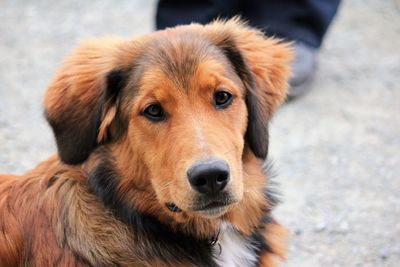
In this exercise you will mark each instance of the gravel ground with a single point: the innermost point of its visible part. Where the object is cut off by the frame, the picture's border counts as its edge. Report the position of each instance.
(336, 150)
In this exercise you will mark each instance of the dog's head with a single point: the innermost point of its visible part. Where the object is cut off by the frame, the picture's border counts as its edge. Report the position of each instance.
(187, 101)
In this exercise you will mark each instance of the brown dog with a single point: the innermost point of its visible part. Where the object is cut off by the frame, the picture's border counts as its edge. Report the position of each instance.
(161, 141)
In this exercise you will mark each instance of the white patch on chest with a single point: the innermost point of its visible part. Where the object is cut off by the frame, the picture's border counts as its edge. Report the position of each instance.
(236, 250)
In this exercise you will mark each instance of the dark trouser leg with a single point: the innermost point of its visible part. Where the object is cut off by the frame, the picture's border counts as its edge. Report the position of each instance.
(175, 12)
(303, 20)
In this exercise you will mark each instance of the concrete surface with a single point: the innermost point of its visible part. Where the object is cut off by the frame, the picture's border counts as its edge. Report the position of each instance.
(336, 150)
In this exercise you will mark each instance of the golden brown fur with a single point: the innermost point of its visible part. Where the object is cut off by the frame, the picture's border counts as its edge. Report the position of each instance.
(62, 214)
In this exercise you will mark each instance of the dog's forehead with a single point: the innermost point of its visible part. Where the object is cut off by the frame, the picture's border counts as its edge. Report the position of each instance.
(179, 57)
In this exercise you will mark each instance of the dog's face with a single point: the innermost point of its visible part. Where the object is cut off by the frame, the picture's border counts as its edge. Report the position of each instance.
(189, 118)
(187, 101)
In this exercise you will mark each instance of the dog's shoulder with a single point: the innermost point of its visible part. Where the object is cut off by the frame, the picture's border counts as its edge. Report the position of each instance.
(32, 204)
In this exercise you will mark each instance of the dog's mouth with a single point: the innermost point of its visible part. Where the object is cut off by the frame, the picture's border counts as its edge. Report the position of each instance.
(211, 206)
(213, 209)
(208, 209)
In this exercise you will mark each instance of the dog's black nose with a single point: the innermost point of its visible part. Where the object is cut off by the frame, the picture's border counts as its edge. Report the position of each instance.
(209, 176)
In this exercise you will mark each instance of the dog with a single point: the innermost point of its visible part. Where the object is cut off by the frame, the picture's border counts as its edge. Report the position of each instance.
(161, 141)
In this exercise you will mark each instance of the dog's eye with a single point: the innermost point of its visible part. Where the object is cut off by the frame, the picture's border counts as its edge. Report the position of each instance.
(154, 112)
(222, 99)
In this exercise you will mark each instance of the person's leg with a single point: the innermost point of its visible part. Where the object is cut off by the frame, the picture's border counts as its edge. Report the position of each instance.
(302, 21)
(299, 20)
(176, 12)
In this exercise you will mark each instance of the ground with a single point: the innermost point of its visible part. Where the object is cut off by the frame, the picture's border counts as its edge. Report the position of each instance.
(335, 150)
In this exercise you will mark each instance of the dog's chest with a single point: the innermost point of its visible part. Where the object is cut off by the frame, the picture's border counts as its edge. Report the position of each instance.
(233, 249)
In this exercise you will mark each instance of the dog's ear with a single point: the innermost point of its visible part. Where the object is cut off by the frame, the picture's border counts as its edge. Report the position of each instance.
(263, 65)
(82, 101)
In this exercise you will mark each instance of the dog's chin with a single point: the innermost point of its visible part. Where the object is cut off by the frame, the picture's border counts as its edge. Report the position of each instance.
(210, 210)
(212, 213)
(205, 206)
(215, 208)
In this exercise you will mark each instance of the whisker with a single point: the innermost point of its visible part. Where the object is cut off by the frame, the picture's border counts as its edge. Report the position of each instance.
(228, 151)
(165, 186)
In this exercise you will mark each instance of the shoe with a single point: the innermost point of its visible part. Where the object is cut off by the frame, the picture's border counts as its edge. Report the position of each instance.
(303, 69)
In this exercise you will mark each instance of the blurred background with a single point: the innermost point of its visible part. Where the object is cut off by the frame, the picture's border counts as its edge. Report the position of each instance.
(336, 150)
